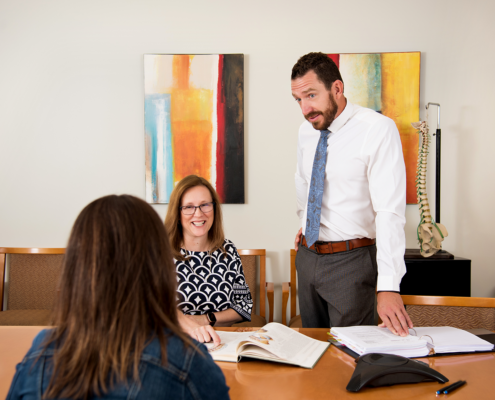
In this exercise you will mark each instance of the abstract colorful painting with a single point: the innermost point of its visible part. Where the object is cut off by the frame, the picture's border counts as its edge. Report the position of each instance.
(194, 123)
(387, 83)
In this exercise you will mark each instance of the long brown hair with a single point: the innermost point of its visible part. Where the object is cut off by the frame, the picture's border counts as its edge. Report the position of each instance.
(216, 236)
(117, 292)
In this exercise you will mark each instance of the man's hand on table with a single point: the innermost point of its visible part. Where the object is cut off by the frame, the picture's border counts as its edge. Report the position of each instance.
(393, 314)
(198, 327)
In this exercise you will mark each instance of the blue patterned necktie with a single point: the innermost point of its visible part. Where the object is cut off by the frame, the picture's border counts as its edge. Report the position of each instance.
(316, 190)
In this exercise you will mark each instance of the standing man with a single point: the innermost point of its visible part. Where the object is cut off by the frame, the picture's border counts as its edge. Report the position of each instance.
(351, 190)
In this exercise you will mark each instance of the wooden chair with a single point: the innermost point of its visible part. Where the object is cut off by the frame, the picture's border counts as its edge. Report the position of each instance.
(248, 258)
(295, 320)
(28, 284)
(459, 312)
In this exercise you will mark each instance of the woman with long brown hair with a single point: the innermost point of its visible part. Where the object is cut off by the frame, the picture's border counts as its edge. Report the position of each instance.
(116, 333)
(211, 288)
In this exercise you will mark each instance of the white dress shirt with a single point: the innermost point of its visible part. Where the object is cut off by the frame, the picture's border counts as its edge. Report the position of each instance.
(365, 186)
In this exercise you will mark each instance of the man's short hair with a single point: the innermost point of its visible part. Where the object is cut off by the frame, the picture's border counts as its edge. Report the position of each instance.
(323, 66)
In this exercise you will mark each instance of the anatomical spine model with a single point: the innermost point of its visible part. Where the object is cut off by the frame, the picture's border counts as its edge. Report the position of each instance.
(430, 234)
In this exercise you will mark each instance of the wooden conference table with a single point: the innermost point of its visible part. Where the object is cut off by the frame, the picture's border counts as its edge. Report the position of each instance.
(267, 380)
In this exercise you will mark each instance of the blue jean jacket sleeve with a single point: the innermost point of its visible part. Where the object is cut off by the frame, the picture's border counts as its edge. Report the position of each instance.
(206, 380)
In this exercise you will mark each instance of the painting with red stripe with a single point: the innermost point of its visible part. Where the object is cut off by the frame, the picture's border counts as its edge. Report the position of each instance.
(194, 123)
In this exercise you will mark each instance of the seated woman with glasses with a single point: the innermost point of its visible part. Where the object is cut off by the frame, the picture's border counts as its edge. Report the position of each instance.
(212, 289)
(116, 333)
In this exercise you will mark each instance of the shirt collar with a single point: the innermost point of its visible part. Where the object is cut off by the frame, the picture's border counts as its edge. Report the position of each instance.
(342, 119)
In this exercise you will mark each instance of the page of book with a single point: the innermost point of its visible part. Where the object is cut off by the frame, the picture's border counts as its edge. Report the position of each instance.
(227, 349)
(249, 343)
(274, 342)
(287, 344)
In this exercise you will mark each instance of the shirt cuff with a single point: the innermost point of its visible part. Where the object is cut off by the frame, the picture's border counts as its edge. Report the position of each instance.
(245, 316)
(388, 283)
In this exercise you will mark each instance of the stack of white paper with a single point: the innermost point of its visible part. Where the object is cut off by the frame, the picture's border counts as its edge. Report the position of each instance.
(372, 339)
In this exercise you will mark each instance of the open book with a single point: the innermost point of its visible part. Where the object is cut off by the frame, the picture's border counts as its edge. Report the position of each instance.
(273, 342)
(420, 343)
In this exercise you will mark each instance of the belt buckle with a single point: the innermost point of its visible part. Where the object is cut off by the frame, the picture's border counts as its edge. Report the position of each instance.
(328, 246)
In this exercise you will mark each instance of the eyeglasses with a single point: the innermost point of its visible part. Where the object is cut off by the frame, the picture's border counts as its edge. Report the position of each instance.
(205, 208)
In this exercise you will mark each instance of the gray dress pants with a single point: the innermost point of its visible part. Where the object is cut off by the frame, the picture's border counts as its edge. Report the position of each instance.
(337, 289)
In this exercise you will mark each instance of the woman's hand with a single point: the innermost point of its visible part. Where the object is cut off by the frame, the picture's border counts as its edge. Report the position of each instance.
(198, 327)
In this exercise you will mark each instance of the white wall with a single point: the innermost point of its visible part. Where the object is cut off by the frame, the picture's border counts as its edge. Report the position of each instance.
(71, 107)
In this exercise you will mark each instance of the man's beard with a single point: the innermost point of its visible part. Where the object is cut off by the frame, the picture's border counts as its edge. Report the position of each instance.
(328, 115)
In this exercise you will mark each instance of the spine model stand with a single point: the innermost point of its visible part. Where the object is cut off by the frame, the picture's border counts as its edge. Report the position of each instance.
(430, 234)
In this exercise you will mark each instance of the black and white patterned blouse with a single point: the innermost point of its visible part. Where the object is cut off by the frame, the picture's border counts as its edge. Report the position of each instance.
(212, 282)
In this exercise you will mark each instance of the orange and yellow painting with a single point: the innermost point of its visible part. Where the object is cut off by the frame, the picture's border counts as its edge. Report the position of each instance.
(194, 123)
(389, 84)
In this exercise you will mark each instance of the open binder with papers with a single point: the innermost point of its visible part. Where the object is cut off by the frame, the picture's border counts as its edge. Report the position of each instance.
(273, 342)
(421, 342)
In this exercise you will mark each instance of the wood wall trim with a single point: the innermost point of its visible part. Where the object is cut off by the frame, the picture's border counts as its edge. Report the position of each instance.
(32, 250)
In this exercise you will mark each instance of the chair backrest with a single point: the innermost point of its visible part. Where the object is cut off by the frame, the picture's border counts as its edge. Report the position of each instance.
(293, 283)
(29, 277)
(458, 312)
(248, 258)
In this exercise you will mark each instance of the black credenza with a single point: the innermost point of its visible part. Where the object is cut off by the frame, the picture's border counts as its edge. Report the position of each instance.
(439, 275)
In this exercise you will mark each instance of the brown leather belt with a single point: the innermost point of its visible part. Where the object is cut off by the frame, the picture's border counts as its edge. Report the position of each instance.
(337, 247)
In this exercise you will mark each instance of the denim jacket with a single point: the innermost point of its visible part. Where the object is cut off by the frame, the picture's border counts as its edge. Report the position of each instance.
(189, 374)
